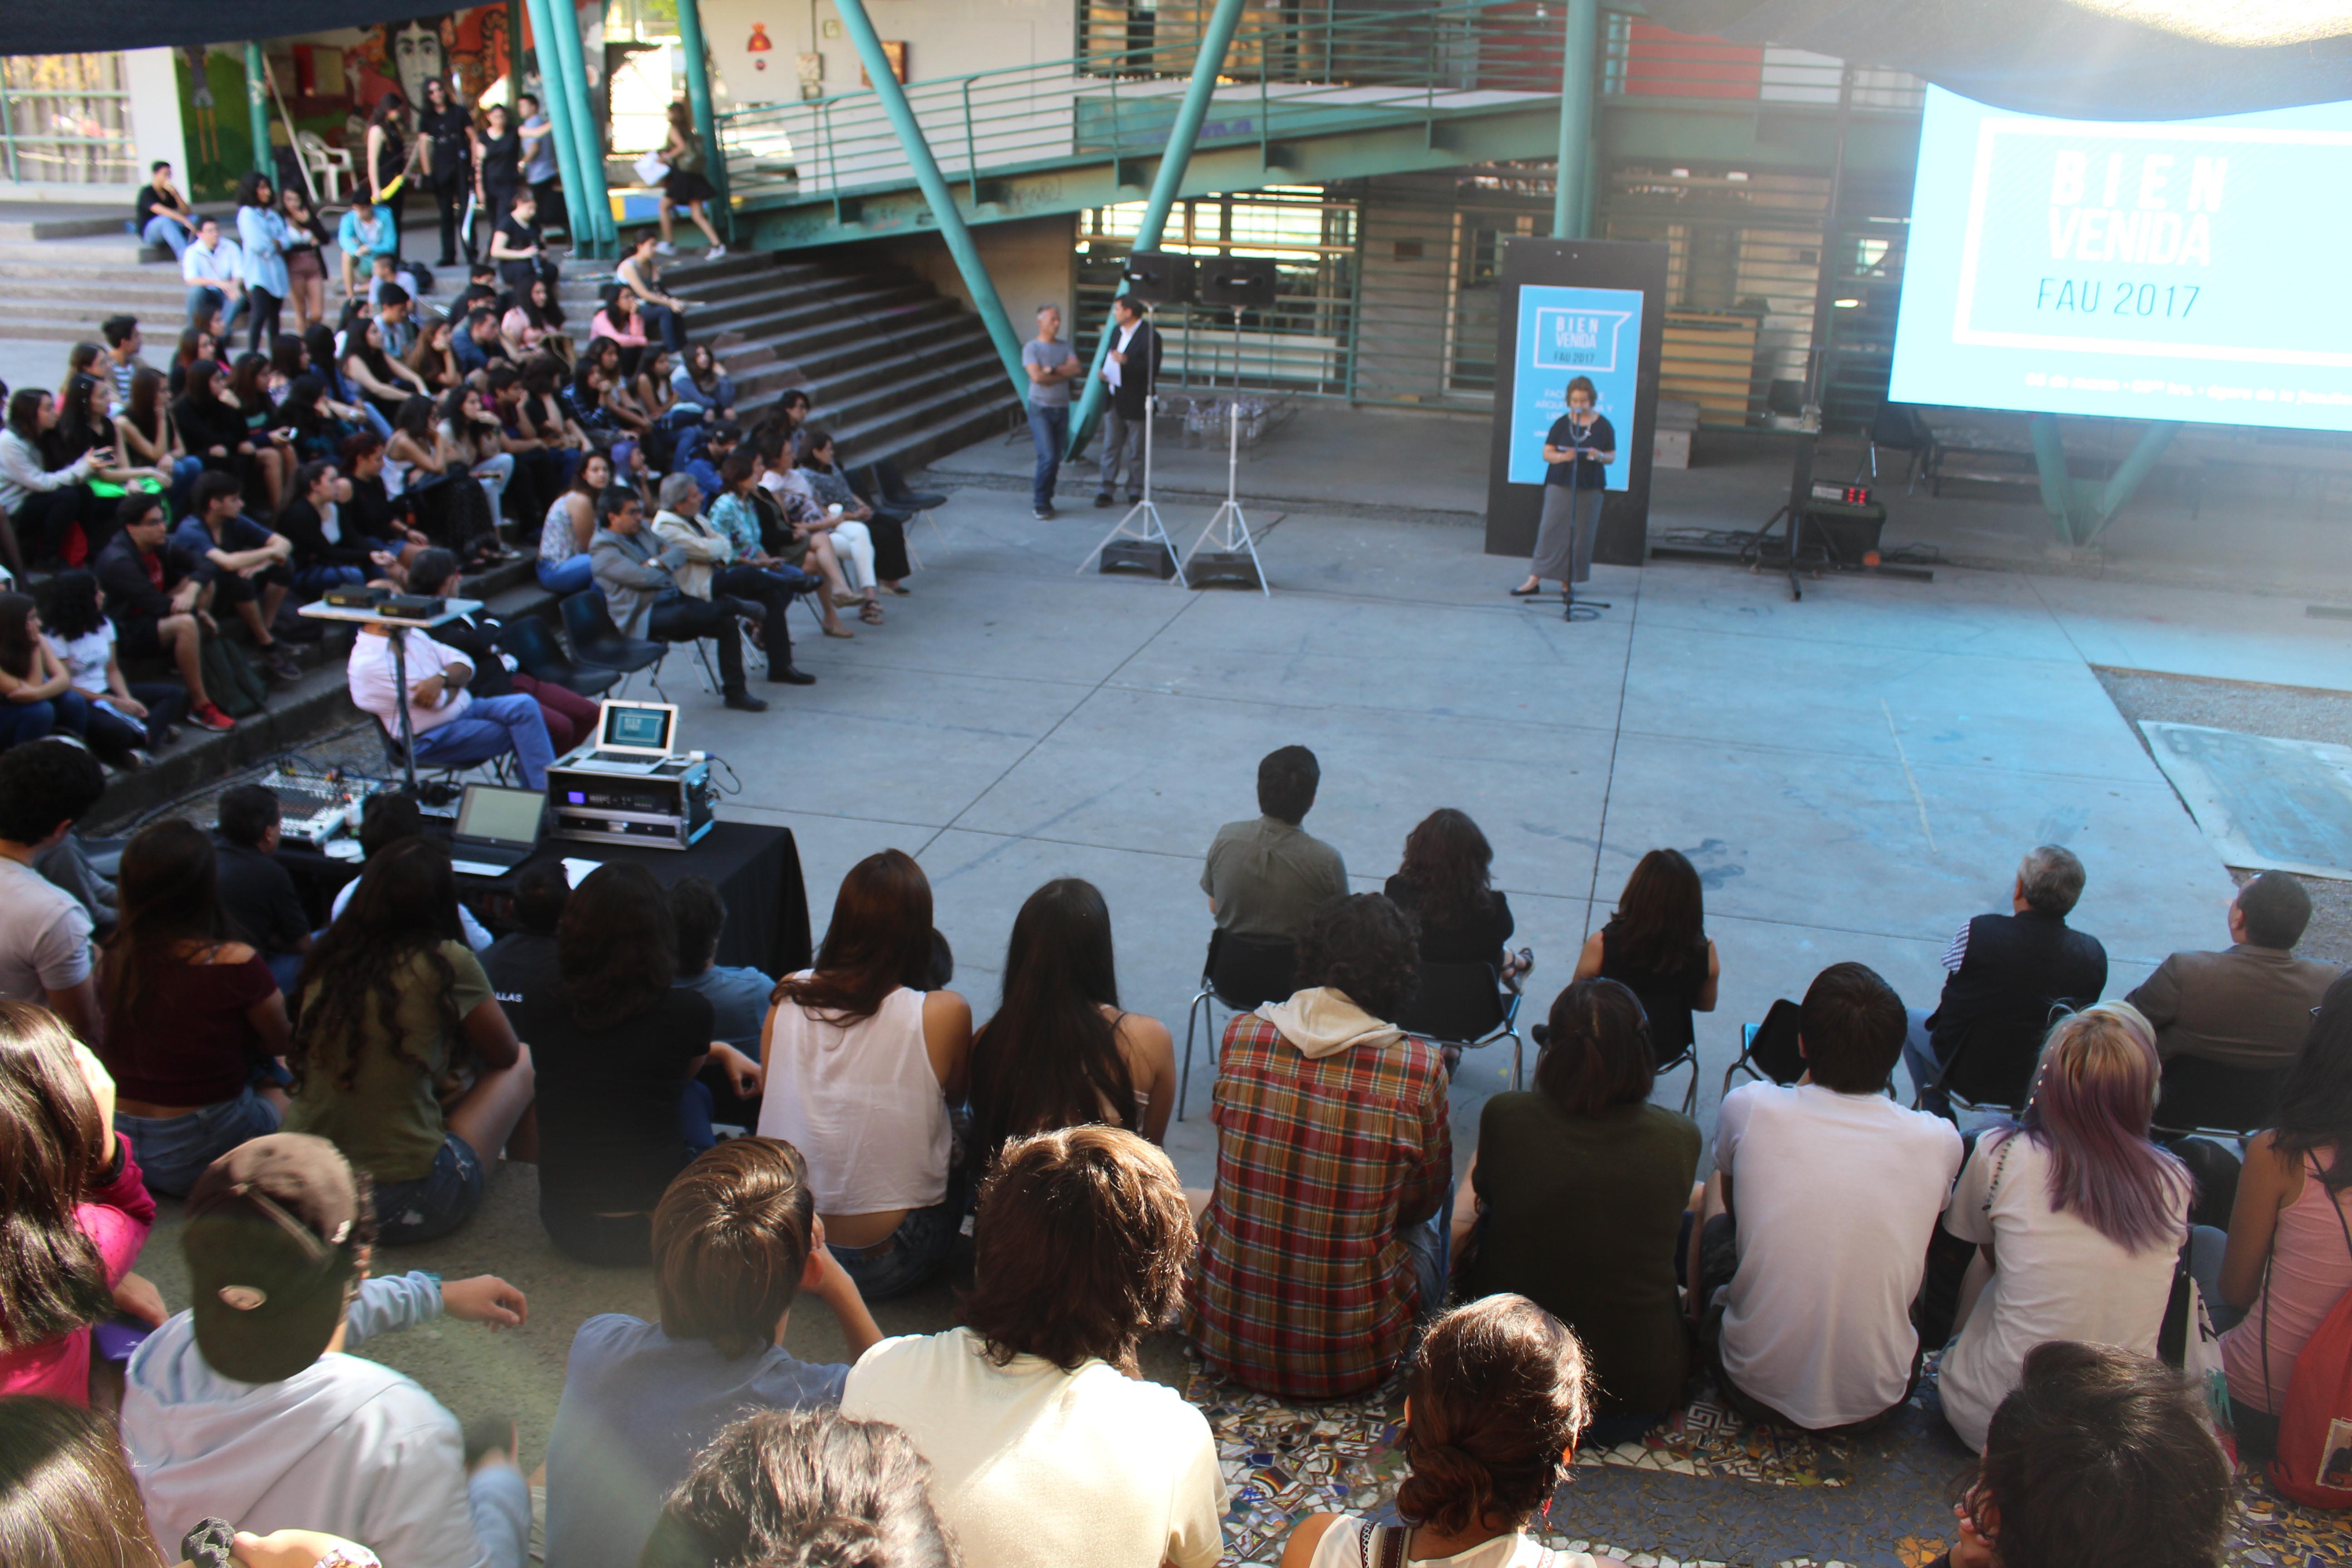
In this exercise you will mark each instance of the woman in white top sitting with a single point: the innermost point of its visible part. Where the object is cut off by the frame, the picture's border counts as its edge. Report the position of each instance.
(570, 524)
(2079, 1218)
(1047, 1446)
(862, 1065)
(1496, 1399)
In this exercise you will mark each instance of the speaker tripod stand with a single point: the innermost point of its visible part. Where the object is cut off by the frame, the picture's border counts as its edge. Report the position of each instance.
(1234, 558)
(1133, 538)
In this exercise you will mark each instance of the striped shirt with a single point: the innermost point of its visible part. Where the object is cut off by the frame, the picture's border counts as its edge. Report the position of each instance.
(1304, 1288)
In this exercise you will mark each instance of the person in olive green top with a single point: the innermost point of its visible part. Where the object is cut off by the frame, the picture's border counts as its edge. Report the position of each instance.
(1576, 1196)
(401, 1055)
(1265, 876)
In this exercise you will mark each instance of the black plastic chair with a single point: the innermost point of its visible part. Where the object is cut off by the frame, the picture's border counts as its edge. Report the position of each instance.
(1241, 972)
(1465, 1004)
(1768, 1050)
(1899, 427)
(532, 642)
(2197, 1096)
(1991, 1064)
(595, 640)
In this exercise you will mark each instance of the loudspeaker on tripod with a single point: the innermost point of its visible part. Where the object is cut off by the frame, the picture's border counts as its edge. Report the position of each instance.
(1242, 282)
(1159, 277)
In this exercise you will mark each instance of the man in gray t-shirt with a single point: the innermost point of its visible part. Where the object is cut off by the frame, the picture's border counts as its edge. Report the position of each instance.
(1051, 366)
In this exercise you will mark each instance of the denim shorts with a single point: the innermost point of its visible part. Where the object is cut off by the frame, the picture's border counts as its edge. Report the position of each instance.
(435, 1204)
(172, 1151)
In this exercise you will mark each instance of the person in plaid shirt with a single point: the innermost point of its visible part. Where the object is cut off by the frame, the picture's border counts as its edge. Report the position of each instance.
(1326, 1238)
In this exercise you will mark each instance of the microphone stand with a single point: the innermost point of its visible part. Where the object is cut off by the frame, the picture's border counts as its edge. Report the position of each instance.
(1573, 608)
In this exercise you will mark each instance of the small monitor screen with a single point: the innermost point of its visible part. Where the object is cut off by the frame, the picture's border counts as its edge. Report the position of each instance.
(641, 726)
(510, 814)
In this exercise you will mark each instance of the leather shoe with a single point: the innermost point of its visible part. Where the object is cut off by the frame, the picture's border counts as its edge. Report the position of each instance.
(792, 675)
(1102, 497)
(744, 703)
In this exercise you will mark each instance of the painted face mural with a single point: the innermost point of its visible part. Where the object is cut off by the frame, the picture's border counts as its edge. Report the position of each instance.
(416, 55)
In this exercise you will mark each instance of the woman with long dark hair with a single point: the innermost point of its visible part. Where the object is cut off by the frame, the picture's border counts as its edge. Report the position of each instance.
(449, 131)
(1446, 885)
(2079, 1217)
(261, 238)
(533, 325)
(700, 380)
(123, 715)
(886, 529)
(617, 322)
(211, 425)
(498, 167)
(570, 524)
(42, 498)
(390, 158)
(1657, 944)
(1575, 1199)
(686, 184)
(620, 1113)
(306, 265)
(84, 425)
(392, 1013)
(74, 1211)
(194, 1018)
(199, 341)
(1061, 1052)
(383, 380)
(249, 390)
(432, 360)
(1497, 1396)
(144, 434)
(864, 1064)
(36, 694)
(2288, 1256)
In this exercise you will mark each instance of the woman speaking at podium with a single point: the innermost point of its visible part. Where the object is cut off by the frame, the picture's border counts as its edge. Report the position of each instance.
(1580, 446)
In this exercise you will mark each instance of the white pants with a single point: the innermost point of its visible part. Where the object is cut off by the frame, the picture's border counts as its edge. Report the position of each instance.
(495, 473)
(854, 548)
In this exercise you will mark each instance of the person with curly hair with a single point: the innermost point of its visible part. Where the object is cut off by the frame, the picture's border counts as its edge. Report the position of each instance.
(401, 1054)
(804, 1488)
(1047, 1445)
(1326, 1238)
(1498, 1394)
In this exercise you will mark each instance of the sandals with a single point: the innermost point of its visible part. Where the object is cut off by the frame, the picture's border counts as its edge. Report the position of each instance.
(839, 632)
(843, 601)
(871, 615)
(903, 592)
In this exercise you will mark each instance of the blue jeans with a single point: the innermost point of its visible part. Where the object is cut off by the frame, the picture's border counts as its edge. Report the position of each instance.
(566, 577)
(499, 1499)
(285, 968)
(1919, 1059)
(663, 325)
(1050, 429)
(491, 727)
(435, 1204)
(226, 310)
(162, 230)
(183, 482)
(174, 1150)
(694, 1117)
(23, 721)
(1431, 1245)
(313, 581)
(910, 1255)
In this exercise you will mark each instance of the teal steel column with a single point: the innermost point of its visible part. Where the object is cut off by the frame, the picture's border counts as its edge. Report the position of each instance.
(1215, 39)
(934, 184)
(581, 222)
(1580, 51)
(588, 142)
(697, 101)
(257, 107)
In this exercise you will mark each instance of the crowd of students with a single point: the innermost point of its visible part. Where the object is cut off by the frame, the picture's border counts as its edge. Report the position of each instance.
(318, 1098)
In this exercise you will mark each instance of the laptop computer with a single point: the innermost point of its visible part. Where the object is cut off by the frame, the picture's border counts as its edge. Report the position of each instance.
(632, 736)
(497, 829)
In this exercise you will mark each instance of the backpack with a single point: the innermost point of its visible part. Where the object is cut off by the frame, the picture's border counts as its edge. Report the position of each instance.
(2314, 1465)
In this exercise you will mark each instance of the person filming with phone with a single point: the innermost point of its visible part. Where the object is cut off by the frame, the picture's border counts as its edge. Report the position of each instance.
(1580, 446)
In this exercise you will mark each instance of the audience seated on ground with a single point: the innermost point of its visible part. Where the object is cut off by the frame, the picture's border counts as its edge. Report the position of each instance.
(256, 892)
(243, 562)
(329, 552)
(394, 1014)
(1326, 1239)
(74, 1211)
(1655, 944)
(2288, 1258)
(526, 954)
(451, 727)
(36, 695)
(1446, 885)
(1060, 1050)
(388, 817)
(639, 576)
(158, 606)
(862, 1065)
(2011, 971)
(1498, 1394)
(2078, 1218)
(246, 1408)
(617, 1042)
(2098, 1458)
(45, 931)
(1046, 1444)
(1814, 1240)
(2249, 1005)
(1575, 1199)
(125, 717)
(569, 717)
(735, 1241)
(39, 505)
(804, 1487)
(195, 1026)
(1266, 876)
(738, 994)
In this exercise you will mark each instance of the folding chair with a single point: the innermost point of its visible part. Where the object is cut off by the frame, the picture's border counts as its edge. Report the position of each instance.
(1240, 972)
(451, 777)
(1991, 1064)
(2201, 1098)
(1768, 1050)
(1465, 1004)
(597, 642)
(532, 642)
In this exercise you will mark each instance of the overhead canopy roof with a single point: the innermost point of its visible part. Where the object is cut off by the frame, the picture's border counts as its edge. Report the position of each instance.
(62, 27)
(2086, 59)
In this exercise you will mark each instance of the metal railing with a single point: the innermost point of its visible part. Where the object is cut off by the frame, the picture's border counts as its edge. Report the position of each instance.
(64, 120)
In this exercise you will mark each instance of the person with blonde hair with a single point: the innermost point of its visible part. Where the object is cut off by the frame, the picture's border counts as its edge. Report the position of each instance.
(2078, 1216)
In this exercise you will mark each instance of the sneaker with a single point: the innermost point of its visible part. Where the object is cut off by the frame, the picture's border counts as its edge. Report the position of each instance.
(1102, 498)
(664, 247)
(714, 253)
(280, 664)
(1041, 513)
(744, 703)
(210, 717)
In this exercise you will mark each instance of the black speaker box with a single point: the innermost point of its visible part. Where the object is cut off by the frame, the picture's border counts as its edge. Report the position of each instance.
(1225, 568)
(1244, 282)
(1159, 277)
(1145, 555)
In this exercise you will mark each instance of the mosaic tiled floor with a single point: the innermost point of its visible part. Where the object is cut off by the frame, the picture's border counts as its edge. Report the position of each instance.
(1284, 1461)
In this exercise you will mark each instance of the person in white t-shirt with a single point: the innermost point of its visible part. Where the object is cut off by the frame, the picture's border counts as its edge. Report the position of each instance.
(451, 726)
(2079, 1216)
(1818, 1219)
(1048, 1447)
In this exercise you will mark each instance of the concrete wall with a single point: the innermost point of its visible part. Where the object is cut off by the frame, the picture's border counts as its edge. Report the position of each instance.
(943, 38)
(1033, 262)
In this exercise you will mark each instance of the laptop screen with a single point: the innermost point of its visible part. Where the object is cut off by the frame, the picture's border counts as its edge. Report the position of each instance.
(637, 726)
(507, 815)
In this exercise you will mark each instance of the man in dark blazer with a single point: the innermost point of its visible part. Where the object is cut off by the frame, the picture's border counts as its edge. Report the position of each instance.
(1132, 370)
(2249, 1005)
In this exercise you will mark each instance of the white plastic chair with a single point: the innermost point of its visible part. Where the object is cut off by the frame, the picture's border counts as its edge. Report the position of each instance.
(330, 166)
